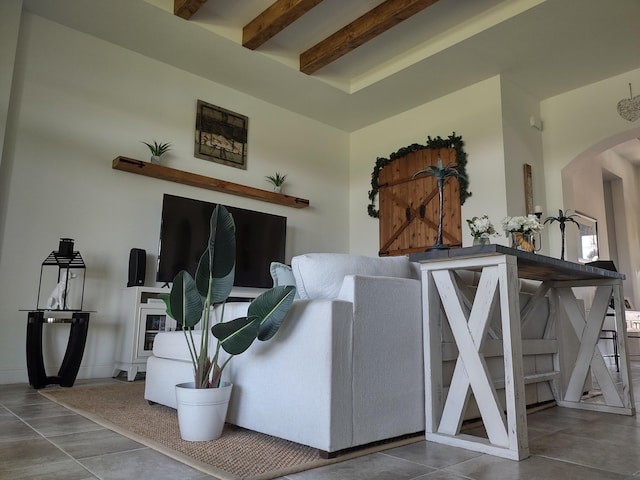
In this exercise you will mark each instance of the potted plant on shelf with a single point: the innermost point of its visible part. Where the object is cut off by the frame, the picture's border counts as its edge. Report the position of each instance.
(190, 302)
(441, 174)
(277, 180)
(157, 150)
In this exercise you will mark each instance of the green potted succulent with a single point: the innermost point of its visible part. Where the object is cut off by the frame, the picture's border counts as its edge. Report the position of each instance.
(276, 180)
(157, 150)
(190, 302)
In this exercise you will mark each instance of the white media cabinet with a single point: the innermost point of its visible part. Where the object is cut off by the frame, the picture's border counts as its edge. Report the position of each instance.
(149, 318)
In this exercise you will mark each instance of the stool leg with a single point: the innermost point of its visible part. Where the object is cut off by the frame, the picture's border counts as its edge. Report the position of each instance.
(615, 350)
(75, 349)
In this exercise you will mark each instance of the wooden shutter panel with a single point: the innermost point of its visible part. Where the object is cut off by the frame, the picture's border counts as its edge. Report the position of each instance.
(409, 207)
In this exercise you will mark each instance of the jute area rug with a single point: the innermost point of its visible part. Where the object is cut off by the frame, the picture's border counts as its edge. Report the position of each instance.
(237, 454)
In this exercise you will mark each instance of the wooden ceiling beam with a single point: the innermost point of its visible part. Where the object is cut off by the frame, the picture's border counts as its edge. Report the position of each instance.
(360, 31)
(186, 8)
(274, 19)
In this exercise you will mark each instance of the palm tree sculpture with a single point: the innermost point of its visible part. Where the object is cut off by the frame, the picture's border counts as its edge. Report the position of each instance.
(441, 174)
(562, 218)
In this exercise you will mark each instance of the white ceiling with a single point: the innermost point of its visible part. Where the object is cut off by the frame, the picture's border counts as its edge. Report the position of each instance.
(546, 47)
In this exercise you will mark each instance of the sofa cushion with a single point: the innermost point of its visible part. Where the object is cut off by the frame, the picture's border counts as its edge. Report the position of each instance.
(173, 345)
(281, 274)
(320, 275)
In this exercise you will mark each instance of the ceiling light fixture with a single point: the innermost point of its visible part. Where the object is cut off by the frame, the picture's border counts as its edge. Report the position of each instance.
(629, 108)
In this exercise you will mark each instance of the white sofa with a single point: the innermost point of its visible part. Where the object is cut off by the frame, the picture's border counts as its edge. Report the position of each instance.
(345, 369)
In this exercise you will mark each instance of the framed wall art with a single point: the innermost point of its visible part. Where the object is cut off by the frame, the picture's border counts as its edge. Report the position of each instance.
(221, 135)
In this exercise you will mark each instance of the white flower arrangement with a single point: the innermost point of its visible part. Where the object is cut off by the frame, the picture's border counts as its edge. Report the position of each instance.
(481, 227)
(528, 224)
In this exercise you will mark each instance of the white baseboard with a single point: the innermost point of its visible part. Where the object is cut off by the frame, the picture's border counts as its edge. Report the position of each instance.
(21, 375)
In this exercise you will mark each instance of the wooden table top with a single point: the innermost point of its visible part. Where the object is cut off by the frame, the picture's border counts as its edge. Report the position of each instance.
(531, 266)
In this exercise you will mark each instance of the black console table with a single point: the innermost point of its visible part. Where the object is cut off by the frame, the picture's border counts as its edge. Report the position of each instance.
(73, 355)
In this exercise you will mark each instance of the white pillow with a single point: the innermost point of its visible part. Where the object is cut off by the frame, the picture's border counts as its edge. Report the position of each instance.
(320, 275)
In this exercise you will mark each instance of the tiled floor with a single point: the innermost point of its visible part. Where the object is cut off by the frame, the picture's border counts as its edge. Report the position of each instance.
(41, 440)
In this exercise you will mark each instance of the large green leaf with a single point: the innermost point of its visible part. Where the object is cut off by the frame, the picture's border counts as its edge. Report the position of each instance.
(271, 308)
(166, 299)
(218, 260)
(236, 335)
(221, 288)
(185, 303)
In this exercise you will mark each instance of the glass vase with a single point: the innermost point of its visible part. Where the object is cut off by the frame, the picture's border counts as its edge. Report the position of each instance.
(481, 241)
(523, 241)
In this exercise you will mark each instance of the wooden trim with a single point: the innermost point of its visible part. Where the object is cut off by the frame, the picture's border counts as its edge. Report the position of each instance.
(361, 30)
(186, 178)
(273, 20)
(187, 8)
(528, 189)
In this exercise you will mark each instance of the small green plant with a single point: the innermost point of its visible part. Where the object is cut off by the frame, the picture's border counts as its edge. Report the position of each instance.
(158, 149)
(277, 179)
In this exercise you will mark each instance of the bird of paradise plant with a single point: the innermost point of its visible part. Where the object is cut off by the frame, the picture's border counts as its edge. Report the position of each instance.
(191, 299)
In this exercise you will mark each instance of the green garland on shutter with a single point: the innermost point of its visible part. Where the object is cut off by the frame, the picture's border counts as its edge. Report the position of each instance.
(452, 141)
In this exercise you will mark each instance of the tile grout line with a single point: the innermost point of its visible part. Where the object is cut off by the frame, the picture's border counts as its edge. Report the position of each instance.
(49, 441)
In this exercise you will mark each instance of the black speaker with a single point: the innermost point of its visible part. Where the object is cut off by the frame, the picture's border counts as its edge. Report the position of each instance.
(137, 267)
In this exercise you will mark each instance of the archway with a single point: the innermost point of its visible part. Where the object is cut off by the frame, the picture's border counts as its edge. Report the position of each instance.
(603, 183)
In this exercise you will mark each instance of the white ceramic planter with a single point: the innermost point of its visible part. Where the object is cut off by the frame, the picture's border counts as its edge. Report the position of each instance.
(202, 411)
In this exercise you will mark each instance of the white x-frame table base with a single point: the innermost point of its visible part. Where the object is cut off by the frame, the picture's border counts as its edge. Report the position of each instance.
(469, 321)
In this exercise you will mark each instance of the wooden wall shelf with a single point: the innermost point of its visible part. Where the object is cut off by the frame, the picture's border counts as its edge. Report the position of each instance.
(179, 176)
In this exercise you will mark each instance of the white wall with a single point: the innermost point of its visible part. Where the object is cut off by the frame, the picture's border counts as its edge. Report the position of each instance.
(10, 12)
(522, 145)
(579, 125)
(584, 188)
(81, 102)
(474, 113)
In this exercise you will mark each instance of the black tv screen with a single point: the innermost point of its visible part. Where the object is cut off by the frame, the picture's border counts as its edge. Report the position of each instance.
(184, 233)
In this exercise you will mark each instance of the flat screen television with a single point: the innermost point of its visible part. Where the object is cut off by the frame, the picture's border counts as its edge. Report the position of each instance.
(184, 233)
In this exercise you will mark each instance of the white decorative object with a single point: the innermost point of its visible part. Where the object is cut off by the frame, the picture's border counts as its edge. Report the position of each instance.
(57, 299)
(629, 108)
(202, 411)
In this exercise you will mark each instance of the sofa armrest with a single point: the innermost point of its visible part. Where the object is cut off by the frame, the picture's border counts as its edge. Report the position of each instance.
(298, 384)
(387, 350)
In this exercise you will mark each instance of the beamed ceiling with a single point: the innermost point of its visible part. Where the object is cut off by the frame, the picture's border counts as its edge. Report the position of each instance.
(350, 63)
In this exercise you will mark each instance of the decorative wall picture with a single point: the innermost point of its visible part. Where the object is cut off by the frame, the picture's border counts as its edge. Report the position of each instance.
(221, 135)
(588, 237)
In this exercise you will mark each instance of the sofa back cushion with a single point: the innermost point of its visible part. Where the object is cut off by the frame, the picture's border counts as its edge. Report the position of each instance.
(320, 275)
